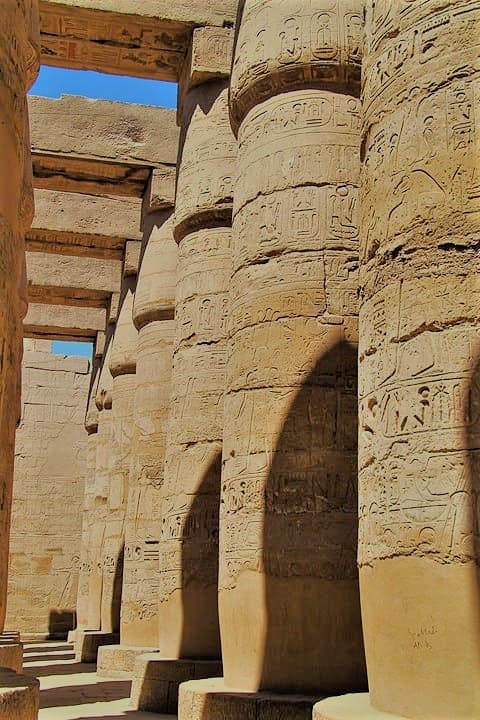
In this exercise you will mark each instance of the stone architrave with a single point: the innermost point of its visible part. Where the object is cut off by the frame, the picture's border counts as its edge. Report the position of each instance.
(122, 364)
(419, 482)
(289, 596)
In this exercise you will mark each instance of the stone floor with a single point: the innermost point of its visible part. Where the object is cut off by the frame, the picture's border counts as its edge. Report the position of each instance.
(73, 691)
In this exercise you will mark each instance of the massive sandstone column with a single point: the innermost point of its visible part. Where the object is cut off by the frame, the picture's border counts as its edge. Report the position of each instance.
(289, 597)
(19, 55)
(188, 611)
(419, 362)
(88, 639)
(122, 366)
(89, 515)
(153, 317)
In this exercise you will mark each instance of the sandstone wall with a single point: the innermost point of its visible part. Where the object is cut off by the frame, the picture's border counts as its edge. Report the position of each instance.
(50, 457)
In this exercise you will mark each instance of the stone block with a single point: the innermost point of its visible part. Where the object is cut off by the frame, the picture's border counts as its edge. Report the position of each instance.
(118, 661)
(156, 681)
(160, 192)
(131, 258)
(19, 696)
(11, 652)
(350, 707)
(89, 641)
(211, 700)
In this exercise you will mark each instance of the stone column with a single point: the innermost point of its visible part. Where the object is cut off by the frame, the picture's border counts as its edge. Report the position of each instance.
(191, 493)
(419, 364)
(122, 367)
(19, 53)
(153, 316)
(89, 519)
(289, 596)
(89, 639)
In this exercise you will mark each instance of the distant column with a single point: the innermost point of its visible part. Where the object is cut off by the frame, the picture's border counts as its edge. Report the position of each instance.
(153, 315)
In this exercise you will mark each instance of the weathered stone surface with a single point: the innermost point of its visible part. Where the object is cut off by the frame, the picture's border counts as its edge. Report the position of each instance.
(289, 599)
(19, 696)
(88, 643)
(156, 681)
(419, 359)
(160, 192)
(189, 544)
(50, 454)
(64, 322)
(350, 707)
(99, 147)
(19, 53)
(209, 57)
(11, 651)
(66, 278)
(199, 699)
(84, 220)
(153, 316)
(147, 38)
(118, 661)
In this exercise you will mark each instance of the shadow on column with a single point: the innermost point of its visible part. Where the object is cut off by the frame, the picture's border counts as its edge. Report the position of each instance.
(200, 628)
(313, 633)
(117, 592)
(469, 490)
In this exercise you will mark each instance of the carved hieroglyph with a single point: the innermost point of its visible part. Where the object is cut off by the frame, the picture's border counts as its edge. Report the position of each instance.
(122, 367)
(191, 497)
(419, 359)
(19, 62)
(153, 315)
(289, 601)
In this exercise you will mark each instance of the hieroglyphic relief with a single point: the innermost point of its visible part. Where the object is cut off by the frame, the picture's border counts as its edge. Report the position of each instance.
(153, 317)
(191, 493)
(289, 490)
(284, 44)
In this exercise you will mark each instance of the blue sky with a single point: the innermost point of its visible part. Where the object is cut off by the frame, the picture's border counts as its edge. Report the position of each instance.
(53, 82)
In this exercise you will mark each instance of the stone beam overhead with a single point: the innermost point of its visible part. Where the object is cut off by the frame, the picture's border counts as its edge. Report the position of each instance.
(87, 281)
(63, 322)
(143, 38)
(86, 224)
(98, 146)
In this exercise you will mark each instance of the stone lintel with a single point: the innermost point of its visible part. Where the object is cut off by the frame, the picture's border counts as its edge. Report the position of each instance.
(209, 57)
(63, 322)
(131, 260)
(19, 696)
(143, 38)
(118, 661)
(103, 131)
(211, 700)
(160, 191)
(87, 643)
(156, 681)
(71, 279)
(85, 220)
(350, 707)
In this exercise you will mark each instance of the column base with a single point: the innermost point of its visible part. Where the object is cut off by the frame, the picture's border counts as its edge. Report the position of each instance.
(19, 696)
(156, 681)
(118, 661)
(72, 636)
(88, 641)
(212, 700)
(350, 707)
(11, 651)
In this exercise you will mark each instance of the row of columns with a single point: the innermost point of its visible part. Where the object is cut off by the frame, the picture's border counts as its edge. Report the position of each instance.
(257, 529)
